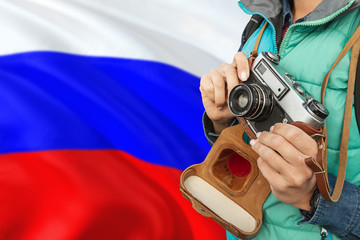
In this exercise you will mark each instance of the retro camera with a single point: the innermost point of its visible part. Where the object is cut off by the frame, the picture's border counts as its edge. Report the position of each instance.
(271, 95)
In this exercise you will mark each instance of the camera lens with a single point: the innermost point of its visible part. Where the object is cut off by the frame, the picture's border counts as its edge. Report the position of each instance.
(251, 101)
(243, 100)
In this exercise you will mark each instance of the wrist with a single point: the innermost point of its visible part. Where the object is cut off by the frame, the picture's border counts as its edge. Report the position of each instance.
(313, 204)
(221, 125)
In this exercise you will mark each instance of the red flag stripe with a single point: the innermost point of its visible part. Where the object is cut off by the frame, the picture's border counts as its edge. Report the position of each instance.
(94, 194)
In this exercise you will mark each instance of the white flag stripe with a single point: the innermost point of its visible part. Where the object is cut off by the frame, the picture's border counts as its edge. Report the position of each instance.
(193, 35)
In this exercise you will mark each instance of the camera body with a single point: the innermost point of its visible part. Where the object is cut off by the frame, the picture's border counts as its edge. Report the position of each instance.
(271, 95)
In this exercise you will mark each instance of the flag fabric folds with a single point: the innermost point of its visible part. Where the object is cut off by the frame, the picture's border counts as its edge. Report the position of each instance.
(100, 113)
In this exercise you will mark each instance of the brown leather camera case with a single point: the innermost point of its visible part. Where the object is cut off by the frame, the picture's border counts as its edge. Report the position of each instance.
(240, 197)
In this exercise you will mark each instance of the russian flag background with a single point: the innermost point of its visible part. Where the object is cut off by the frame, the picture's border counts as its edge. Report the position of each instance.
(100, 113)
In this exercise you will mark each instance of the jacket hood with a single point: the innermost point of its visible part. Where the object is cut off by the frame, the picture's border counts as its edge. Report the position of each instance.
(273, 8)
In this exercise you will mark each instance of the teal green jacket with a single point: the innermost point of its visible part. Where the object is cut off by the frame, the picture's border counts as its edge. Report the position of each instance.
(308, 51)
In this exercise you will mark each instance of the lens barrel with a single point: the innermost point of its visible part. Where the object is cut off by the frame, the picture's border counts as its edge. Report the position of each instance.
(251, 101)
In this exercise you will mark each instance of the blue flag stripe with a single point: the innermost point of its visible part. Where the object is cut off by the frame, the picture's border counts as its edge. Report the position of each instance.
(53, 100)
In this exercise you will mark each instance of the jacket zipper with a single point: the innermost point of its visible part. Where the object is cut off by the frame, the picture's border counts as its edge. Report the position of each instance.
(323, 233)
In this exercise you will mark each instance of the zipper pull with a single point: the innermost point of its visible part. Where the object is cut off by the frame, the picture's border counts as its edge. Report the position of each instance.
(323, 233)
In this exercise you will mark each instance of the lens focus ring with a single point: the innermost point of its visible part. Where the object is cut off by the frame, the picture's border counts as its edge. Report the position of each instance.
(250, 101)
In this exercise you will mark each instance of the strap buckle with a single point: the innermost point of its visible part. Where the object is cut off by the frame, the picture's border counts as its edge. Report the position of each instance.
(323, 171)
(316, 136)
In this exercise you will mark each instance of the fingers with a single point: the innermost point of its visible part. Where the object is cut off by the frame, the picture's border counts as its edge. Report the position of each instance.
(207, 86)
(242, 65)
(281, 160)
(271, 162)
(280, 145)
(269, 173)
(298, 138)
(230, 74)
(271, 157)
(292, 188)
(219, 82)
(285, 149)
(212, 85)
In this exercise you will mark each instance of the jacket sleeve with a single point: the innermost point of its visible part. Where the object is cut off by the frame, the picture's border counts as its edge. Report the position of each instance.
(209, 129)
(341, 218)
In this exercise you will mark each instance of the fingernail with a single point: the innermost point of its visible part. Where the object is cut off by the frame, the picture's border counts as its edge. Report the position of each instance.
(243, 76)
(258, 134)
(252, 142)
(272, 128)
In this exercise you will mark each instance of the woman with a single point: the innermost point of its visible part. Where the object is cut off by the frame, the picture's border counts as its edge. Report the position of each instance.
(308, 35)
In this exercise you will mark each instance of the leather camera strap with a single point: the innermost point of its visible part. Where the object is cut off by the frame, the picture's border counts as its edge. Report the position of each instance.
(254, 52)
(320, 166)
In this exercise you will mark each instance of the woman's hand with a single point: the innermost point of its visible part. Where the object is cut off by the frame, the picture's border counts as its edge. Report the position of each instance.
(282, 154)
(217, 84)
